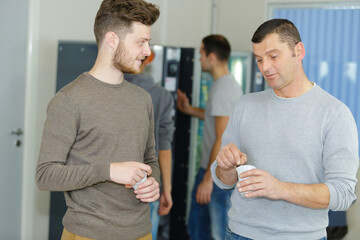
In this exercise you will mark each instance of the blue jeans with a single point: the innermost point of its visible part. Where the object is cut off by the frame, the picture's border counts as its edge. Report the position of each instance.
(229, 235)
(211, 219)
(154, 218)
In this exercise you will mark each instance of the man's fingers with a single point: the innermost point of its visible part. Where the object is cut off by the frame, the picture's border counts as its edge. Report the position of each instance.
(147, 195)
(240, 158)
(223, 160)
(151, 199)
(227, 163)
(148, 170)
(143, 167)
(165, 204)
(197, 197)
(236, 153)
(179, 92)
(139, 174)
(207, 199)
(203, 199)
(181, 95)
(243, 158)
(230, 156)
(164, 211)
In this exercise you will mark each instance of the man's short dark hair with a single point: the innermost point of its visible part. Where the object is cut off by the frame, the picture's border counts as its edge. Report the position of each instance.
(118, 16)
(218, 45)
(286, 30)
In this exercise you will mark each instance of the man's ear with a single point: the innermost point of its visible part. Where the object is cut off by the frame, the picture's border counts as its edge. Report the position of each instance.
(299, 51)
(212, 57)
(111, 40)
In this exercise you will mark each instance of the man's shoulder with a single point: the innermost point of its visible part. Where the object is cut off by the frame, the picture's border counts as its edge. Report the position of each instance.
(327, 102)
(137, 93)
(75, 84)
(71, 90)
(226, 80)
(226, 84)
(326, 96)
(135, 89)
(254, 99)
(157, 88)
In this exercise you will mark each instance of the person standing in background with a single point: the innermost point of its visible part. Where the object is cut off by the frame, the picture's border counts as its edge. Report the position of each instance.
(163, 104)
(209, 205)
(98, 138)
(302, 140)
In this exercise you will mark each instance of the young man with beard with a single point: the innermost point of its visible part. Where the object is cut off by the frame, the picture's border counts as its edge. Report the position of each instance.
(98, 138)
(210, 204)
(302, 140)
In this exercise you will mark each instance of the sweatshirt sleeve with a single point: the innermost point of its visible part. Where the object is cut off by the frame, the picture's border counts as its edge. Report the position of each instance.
(341, 160)
(150, 156)
(217, 180)
(59, 134)
(166, 126)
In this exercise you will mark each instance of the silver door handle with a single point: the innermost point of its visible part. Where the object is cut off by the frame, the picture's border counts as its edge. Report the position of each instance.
(18, 132)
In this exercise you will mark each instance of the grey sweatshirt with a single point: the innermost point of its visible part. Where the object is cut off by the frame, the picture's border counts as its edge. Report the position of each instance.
(309, 139)
(163, 104)
(89, 125)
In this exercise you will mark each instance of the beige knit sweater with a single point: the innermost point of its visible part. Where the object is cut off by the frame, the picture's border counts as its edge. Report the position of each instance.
(89, 125)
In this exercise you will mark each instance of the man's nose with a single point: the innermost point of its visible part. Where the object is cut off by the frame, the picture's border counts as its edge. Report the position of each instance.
(147, 50)
(266, 65)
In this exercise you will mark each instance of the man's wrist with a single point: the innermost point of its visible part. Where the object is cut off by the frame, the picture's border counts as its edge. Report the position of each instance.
(166, 189)
(189, 110)
(228, 176)
(207, 177)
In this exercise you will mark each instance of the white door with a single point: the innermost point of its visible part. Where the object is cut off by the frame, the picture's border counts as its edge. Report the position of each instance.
(13, 38)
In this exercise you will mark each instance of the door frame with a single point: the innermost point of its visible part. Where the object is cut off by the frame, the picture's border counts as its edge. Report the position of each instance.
(32, 217)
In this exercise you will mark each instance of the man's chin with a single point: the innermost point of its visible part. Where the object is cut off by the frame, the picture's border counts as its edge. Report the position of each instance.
(132, 71)
(128, 70)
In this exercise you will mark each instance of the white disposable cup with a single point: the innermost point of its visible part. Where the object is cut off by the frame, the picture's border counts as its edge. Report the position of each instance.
(241, 169)
(142, 180)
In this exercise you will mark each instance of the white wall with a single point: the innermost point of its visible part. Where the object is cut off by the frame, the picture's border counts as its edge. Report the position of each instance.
(182, 23)
(237, 20)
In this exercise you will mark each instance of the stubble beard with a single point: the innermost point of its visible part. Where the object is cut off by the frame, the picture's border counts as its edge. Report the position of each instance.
(123, 63)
